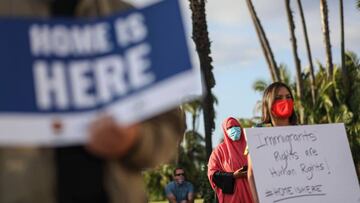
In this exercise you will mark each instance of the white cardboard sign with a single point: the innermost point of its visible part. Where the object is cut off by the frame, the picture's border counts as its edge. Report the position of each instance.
(311, 163)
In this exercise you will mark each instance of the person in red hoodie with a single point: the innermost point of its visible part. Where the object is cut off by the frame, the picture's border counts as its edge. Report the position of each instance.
(227, 167)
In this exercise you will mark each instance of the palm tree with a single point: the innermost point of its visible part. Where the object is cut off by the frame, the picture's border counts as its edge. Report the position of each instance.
(353, 66)
(194, 108)
(343, 67)
(308, 50)
(265, 45)
(299, 85)
(358, 4)
(346, 105)
(326, 35)
(202, 42)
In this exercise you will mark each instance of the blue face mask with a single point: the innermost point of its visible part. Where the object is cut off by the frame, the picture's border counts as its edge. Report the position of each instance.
(234, 133)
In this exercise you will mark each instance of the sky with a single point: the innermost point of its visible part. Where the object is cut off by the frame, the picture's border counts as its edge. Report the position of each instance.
(237, 57)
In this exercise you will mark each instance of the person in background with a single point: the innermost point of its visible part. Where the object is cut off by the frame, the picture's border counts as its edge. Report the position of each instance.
(179, 190)
(277, 110)
(227, 167)
(108, 169)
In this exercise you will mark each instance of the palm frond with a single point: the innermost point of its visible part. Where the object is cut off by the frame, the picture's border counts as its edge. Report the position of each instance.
(260, 85)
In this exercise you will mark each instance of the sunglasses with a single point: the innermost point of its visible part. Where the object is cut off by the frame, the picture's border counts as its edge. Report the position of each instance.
(180, 174)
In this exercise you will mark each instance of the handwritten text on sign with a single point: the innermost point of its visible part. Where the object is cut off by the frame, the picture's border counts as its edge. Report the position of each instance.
(303, 164)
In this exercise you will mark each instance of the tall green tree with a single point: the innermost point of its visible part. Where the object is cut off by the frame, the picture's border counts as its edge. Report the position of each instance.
(326, 36)
(264, 42)
(194, 109)
(308, 51)
(202, 43)
(342, 40)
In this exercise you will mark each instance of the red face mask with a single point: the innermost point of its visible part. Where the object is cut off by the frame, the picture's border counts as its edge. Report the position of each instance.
(282, 108)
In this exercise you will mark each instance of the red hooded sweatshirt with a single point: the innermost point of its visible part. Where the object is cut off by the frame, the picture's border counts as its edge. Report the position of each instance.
(229, 157)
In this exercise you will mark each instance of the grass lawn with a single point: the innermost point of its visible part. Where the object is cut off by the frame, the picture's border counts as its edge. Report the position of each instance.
(196, 201)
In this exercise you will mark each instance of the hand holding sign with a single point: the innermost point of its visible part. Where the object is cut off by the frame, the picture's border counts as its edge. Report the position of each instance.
(109, 140)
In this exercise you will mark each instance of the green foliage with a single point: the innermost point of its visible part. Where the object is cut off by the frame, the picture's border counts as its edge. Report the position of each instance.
(193, 107)
(260, 85)
(353, 103)
(247, 123)
(192, 153)
(156, 180)
(284, 74)
(205, 189)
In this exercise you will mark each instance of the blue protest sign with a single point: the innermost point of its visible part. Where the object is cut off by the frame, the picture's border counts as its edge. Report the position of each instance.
(131, 62)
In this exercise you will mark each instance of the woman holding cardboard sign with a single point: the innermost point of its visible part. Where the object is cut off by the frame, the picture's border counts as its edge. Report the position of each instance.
(277, 110)
(227, 165)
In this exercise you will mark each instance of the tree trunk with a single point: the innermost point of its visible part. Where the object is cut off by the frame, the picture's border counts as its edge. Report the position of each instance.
(193, 122)
(308, 50)
(202, 42)
(267, 58)
(345, 74)
(299, 84)
(326, 35)
(265, 45)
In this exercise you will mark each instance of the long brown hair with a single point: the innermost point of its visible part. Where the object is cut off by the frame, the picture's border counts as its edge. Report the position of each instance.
(268, 99)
